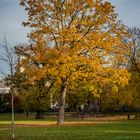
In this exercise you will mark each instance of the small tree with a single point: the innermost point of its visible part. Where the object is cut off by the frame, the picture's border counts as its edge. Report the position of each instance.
(9, 58)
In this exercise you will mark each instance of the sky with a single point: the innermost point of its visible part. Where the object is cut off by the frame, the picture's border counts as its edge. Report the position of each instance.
(12, 15)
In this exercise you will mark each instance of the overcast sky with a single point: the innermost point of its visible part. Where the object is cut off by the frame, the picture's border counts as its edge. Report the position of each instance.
(12, 15)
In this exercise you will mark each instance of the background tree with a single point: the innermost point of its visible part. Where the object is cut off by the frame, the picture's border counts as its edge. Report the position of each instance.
(5, 101)
(129, 95)
(132, 91)
(73, 40)
(78, 95)
(134, 59)
(32, 96)
(134, 67)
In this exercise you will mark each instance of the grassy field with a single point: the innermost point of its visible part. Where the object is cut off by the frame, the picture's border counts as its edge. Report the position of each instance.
(73, 129)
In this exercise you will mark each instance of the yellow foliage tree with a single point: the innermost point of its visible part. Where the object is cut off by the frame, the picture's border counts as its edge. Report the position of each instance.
(73, 39)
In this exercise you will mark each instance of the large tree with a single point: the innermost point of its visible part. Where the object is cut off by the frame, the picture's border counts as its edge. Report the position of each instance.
(73, 40)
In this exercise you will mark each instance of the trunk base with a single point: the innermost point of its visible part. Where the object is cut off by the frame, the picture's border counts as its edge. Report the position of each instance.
(128, 116)
(39, 115)
(137, 116)
(61, 113)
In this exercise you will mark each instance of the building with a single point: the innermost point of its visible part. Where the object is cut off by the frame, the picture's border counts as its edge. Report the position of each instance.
(3, 89)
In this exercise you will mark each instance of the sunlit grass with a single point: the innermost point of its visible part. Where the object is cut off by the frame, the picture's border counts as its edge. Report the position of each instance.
(128, 130)
(105, 128)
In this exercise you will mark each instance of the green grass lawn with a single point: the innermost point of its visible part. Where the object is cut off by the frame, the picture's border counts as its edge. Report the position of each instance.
(30, 129)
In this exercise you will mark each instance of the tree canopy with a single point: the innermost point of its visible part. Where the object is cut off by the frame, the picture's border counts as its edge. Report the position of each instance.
(74, 40)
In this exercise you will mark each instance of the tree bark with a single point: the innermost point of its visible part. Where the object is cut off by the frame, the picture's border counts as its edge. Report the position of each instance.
(39, 114)
(13, 118)
(128, 116)
(137, 116)
(62, 98)
(27, 113)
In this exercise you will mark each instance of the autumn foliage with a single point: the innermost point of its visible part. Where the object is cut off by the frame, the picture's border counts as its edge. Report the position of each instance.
(74, 40)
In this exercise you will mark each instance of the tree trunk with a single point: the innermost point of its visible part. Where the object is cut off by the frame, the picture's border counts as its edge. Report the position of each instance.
(27, 113)
(137, 116)
(39, 114)
(61, 112)
(128, 116)
(13, 117)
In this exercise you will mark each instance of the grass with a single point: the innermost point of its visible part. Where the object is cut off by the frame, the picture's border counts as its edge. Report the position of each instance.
(30, 129)
(22, 117)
